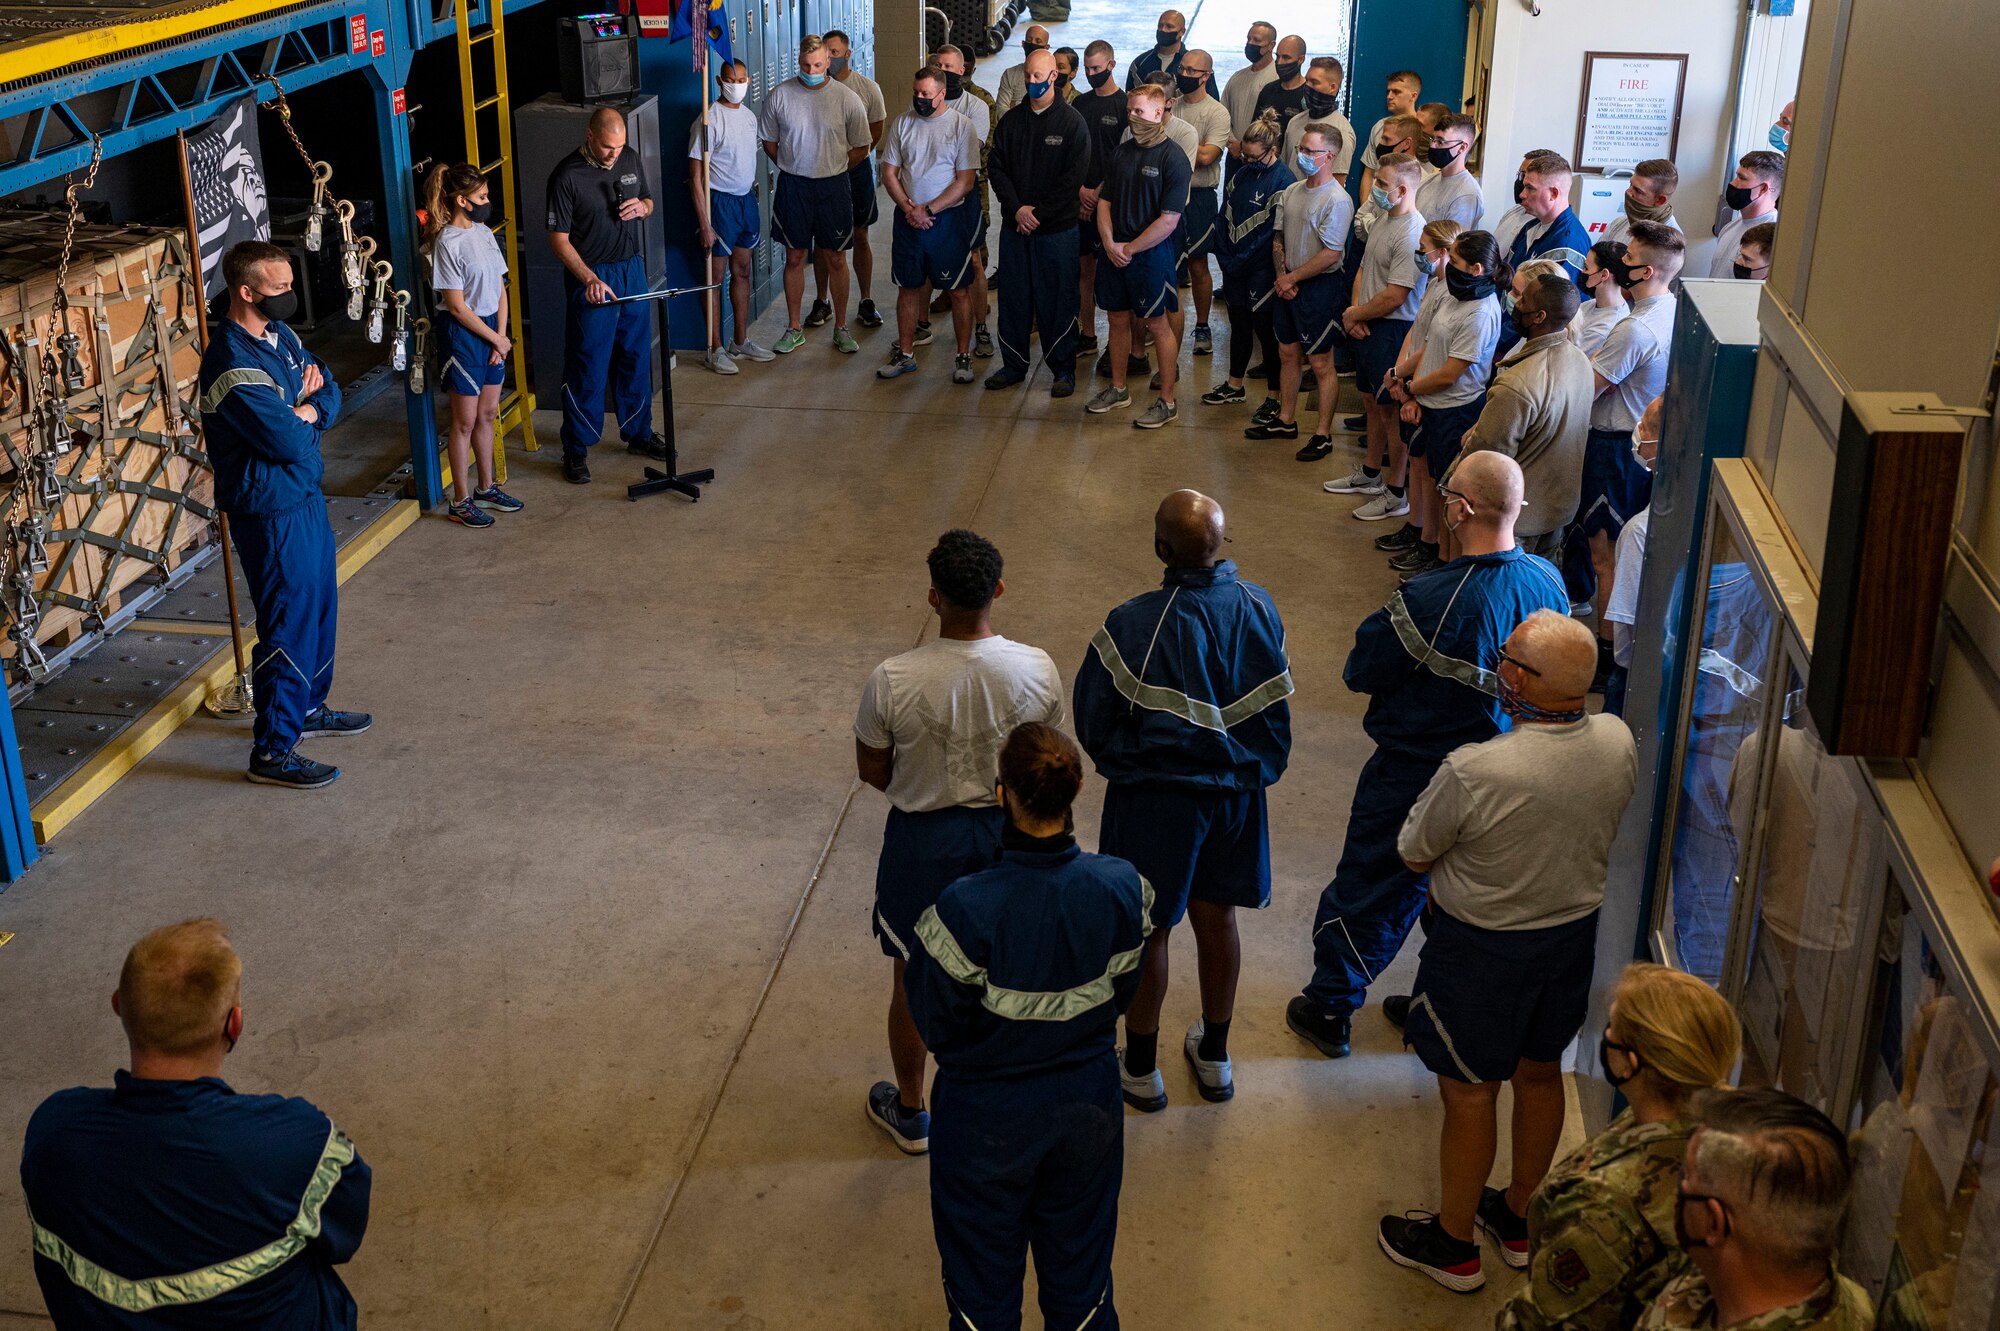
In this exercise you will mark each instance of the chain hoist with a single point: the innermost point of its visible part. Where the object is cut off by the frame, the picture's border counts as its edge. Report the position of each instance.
(378, 298)
(316, 212)
(420, 333)
(399, 341)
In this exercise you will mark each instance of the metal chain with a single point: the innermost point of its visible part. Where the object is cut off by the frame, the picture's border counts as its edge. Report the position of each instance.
(60, 310)
(284, 110)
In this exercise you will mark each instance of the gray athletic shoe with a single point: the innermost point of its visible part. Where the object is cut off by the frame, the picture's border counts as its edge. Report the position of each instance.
(1383, 505)
(1160, 413)
(1356, 482)
(961, 369)
(750, 351)
(1111, 399)
(900, 362)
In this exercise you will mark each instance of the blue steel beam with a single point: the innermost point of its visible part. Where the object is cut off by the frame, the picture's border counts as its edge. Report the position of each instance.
(386, 78)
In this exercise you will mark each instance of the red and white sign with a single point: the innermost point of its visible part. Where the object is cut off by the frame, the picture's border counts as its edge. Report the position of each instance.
(378, 42)
(357, 34)
(397, 104)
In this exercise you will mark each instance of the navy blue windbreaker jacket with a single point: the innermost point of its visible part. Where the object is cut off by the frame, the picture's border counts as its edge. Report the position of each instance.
(1249, 218)
(266, 459)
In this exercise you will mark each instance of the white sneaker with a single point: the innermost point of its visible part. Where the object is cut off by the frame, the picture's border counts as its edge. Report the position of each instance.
(1356, 482)
(751, 351)
(1147, 1094)
(1581, 610)
(718, 361)
(1383, 505)
(1213, 1080)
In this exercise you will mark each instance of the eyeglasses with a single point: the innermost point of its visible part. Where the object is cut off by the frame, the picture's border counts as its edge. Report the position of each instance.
(1519, 664)
(1445, 492)
(1682, 1197)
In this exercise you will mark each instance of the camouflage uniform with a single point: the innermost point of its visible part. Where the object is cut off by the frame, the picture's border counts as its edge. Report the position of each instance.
(1837, 1305)
(1601, 1231)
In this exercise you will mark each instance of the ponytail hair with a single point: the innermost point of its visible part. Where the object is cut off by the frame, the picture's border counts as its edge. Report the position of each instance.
(1680, 1029)
(1042, 770)
(1479, 247)
(1266, 129)
(1439, 232)
(441, 190)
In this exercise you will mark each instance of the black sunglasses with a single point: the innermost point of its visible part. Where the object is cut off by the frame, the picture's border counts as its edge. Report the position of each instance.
(1519, 663)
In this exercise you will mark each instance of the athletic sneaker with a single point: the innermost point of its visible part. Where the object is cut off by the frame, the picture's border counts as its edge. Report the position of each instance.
(751, 351)
(910, 1132)
(576, 468)
(1147, 1094)
(843, 342)
(961, 369)
(1222, 394)
(1267, 413)
(469, 514)
(1064, 385)
(1137, 365)
(1104, 365)
(1318, 1027)
(1396, 1007)
(868, 316)
(1354, 424)
(1428, 566)
(1204, 341)
(1418, 1241)
(790, 342)
(820, 313)
(498, 500)
(1109, 400)
(323, 721)
(1086, 344)
(982, 342)
(1004, 378)
(1273, 429)
(1507, 1230)
(1213, 1080)
(1402, 538)
(1581, 610)
(1386, 504)
(1308, 381)
(1160, 413)
(1154, 382)
(1315, 448)
(922, 337)
(1356, 482)
(900, 362)
(1413, 557)
(718, 360)
(290, 770)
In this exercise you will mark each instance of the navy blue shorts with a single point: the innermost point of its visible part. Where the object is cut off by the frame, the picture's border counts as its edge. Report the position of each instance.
(1615, 486)
(1199, 223)
(1146, 286)
(1375, 354)
(1213, 846)
(813, 214)
(1310, 319)
(466, 357)
(1487, 998)
(861, 181)
(1246, 286)
(1436, 438)
(922, 855)
(736, 222)
(941, 256)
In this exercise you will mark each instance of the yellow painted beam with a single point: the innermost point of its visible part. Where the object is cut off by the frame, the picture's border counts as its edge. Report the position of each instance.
(57, 809)
(36, 56)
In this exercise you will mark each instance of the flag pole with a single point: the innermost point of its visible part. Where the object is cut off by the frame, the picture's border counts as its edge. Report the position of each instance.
(711, 310)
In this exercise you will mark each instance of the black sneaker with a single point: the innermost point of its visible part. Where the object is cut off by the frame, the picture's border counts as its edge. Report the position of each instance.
(1086, 344)
(1402, 538)
(651, 446)
(1138, 365)
(1506, 1229)
(291, 770)
(1308, 381)
(1419, 1242)
(1222, 394)
(1605, 665)
(1267, 413)
(1318, 1027)
(576, 469)
(1273, 430)
(1064, 385)
(1431, 564)
(1258, 371)
(1354, 424)
(868, 316)
(1104, 365)
(1315, 448)
(1396, 1007)
(922, 336)
(818, 314)
(1413, 556)
(325, 721)
(1004, 378)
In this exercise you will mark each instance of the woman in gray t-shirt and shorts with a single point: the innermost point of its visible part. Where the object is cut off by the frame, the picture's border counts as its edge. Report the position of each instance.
(469, 275)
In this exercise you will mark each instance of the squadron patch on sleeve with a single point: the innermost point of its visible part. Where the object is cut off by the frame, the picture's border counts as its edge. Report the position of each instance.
(1569, 1270)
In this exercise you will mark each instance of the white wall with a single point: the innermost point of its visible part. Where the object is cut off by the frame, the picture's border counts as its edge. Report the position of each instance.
(1536, 89)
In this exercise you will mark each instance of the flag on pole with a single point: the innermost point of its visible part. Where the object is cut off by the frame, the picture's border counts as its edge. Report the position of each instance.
(226, 176)
(714, 20)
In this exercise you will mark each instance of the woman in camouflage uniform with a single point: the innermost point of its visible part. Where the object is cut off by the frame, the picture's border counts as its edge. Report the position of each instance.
(1600, 1230)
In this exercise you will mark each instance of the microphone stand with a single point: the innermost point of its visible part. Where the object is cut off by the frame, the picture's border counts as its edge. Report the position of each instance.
(657, 482)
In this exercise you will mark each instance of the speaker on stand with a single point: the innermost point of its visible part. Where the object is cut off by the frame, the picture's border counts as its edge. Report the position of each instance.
(597, 58)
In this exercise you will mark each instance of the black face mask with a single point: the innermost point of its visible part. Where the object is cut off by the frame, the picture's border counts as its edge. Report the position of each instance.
(1520, 183)
(1164, 38)
(1736, 196)
(1739, 270)
(1383, 150)
(279, 306)
(922, 106)
(1100, 78)
(1318, 103)
(1604, 1048)
(1287, 70)
(1520, 318)
(1253, 52)
(1621, 272)
(482, 213)
(1189, 82)
(1440, 155)
(1062, 81)
(954, 84)
(1464, 286)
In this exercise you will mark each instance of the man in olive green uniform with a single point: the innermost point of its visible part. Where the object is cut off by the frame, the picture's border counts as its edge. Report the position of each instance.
(1759, 1210)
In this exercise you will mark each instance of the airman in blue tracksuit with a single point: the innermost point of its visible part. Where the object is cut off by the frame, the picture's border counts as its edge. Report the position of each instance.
(1181, 703)
(1016, 981)
(265, 402)
(1426, 660)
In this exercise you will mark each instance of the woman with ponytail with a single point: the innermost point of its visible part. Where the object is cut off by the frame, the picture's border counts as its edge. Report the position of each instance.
(469, 277)
(1243, 247)
(1016, 980)
(1599, 1231)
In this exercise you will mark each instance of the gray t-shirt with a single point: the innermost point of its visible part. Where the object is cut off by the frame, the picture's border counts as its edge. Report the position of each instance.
(468, 259)
(1209, 119)
(927, 152)
(730, 146)
(946, 708)
(976, 111)
(1295, 133)
(1594, 323)
(1511, 224)
(1456, 197)
(1311, 220)
(1619, 229)
(1454, 329)
(813, 127)
(1633, 360)
(1391, 260)
(1239, 95)
(870, 93)
(1518, 829)
(1730, 239)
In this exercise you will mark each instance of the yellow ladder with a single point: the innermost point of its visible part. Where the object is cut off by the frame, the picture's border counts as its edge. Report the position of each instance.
(517, 404)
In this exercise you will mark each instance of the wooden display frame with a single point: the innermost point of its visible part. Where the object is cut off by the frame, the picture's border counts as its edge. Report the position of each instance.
(1587, 161)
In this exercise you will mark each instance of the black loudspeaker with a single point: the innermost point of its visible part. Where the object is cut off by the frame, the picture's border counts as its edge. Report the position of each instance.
(598, 55)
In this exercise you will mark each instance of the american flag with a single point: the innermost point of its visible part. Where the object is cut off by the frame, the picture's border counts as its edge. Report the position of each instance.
(226, 174)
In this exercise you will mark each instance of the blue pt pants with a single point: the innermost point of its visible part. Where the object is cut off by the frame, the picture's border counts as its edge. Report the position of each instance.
(287, 560)
(1366, 912)
(607, 342)
(1028, 1162)
(1038, 289)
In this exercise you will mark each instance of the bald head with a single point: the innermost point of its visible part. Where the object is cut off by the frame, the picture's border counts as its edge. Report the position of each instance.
(1560, 654)
(1040, 67)
(1188, 530)
(1037, 35)
(1491, 483)
(604, 138)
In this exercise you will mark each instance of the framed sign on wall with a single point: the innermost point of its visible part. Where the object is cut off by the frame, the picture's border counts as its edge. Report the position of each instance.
(1631, 109)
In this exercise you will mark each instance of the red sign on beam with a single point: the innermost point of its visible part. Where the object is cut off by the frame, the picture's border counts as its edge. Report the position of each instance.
(357, 34)
(378, 42)
(397, 103)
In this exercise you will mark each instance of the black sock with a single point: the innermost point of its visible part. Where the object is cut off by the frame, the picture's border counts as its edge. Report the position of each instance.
(1431, 546)
(1397, 490)
(1214, 1046)
(1142, 1052)
(1370, 472)
(904, 1109)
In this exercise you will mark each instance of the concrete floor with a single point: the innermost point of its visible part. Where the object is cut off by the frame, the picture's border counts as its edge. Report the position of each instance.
(577, 950)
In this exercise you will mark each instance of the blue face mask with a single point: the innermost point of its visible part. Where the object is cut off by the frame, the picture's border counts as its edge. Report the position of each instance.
(812, 80)
(1781, 138)
(1037, 91)
(1380, 198)
(1308, 164)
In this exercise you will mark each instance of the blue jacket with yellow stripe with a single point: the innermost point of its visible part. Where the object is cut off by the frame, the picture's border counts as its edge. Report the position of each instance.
(1025, 967)
(1186, 686)
(266, 458)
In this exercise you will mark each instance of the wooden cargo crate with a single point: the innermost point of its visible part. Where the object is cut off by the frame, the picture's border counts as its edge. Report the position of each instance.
(140, 494)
